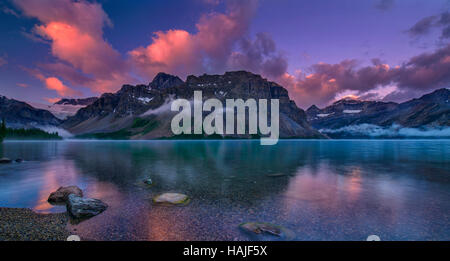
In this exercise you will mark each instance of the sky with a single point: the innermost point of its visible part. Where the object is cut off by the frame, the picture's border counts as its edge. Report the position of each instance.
(321, 51)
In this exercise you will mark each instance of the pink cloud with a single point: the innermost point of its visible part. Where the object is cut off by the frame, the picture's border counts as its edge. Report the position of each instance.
(173, 51)
(208, 50)
(52, 100)
(53, 83)
(75, 31)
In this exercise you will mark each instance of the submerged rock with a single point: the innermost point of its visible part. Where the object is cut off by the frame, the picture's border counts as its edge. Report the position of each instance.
(19, 160)
(62, 194)
(148, 181)
(171, 199)
(80, 207)
(276, 175)
(5, 160)
(260, 228)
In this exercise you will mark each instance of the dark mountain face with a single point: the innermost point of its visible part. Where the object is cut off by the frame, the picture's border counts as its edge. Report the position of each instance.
(430, 110)
(19, 114)
(164, 80)
(83, 101)
(149, 106)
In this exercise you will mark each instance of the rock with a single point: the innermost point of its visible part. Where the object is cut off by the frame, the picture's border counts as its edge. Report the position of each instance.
(276, 175)
(62, 194)
(19, 160)
(148, 181)
(171, 199)
(5, 160)
(80, 207)
(260, 228)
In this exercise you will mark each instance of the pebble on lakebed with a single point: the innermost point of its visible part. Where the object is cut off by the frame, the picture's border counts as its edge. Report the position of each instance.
(260, 228)
(171, 199)
(22, 224)
(148, 181)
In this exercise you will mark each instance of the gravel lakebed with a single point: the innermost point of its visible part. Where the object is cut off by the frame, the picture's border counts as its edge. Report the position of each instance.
(23, 224)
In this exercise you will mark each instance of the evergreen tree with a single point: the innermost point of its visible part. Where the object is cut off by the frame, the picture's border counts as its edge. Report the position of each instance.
(3, 130)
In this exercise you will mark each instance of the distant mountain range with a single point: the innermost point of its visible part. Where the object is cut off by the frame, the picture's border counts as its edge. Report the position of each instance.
(65, 107)
(143, 111)
(350, 117)
(19, 114)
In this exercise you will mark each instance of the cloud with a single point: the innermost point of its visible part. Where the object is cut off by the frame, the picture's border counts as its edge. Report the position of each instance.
(208, 50)
(391, 131)
(75, 32)
(420, 74)
(3, 61)
(425, 25)
(53, 83)
(23, 85)
(259, 56)
(9, 11)
(384, 4)
(52, 100)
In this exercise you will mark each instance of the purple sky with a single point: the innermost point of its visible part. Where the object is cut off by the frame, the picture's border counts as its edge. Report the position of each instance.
(319, 50)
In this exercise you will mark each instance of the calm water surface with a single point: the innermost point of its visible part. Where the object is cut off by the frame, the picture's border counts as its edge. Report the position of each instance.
(329, 190)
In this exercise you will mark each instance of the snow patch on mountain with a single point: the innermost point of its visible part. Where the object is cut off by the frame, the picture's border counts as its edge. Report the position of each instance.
(61, 111)
(352, 111)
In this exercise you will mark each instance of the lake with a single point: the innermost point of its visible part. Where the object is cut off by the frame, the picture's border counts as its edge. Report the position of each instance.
(319, 189)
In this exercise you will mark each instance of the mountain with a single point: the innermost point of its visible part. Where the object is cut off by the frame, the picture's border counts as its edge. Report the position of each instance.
(22, 115)
(143, 111)
(65, 107)
(164, 81)
(76, 102)
(431, 111)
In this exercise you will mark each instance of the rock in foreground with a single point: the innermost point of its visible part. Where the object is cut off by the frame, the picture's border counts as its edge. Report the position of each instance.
(5, 160)
(260, 228)
(62, 194)
(80, 207)
(171, 199)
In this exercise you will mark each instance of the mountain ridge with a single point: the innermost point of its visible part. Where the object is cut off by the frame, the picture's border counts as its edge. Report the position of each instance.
(114, 112)
(431, 110)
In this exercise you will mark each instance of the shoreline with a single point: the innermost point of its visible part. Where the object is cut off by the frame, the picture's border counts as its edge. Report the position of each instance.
(23, 224)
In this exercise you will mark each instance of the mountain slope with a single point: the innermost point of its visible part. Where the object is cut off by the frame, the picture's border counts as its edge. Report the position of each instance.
(427, 112)
(143, 111)
(64, 107)
(21, 115)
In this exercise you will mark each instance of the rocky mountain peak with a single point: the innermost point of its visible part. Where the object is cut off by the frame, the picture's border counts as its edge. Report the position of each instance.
(164, 81)
(348, 100)
(82, 101)
(313, 108)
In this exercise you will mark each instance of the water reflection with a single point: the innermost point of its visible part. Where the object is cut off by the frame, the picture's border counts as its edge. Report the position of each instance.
(327, 189)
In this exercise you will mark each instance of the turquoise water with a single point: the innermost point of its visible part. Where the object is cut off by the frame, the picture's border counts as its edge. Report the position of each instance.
(321, 190)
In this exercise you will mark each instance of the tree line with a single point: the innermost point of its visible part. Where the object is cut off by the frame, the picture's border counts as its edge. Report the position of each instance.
(33, 133)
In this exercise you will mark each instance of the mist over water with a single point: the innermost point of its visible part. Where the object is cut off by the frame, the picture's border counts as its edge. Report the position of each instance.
(371, 130)
(321, 190)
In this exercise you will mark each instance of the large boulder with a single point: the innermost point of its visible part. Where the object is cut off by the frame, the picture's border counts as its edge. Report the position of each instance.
(80, 207)
(5, 160)
(62, 194)
(171, 199)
